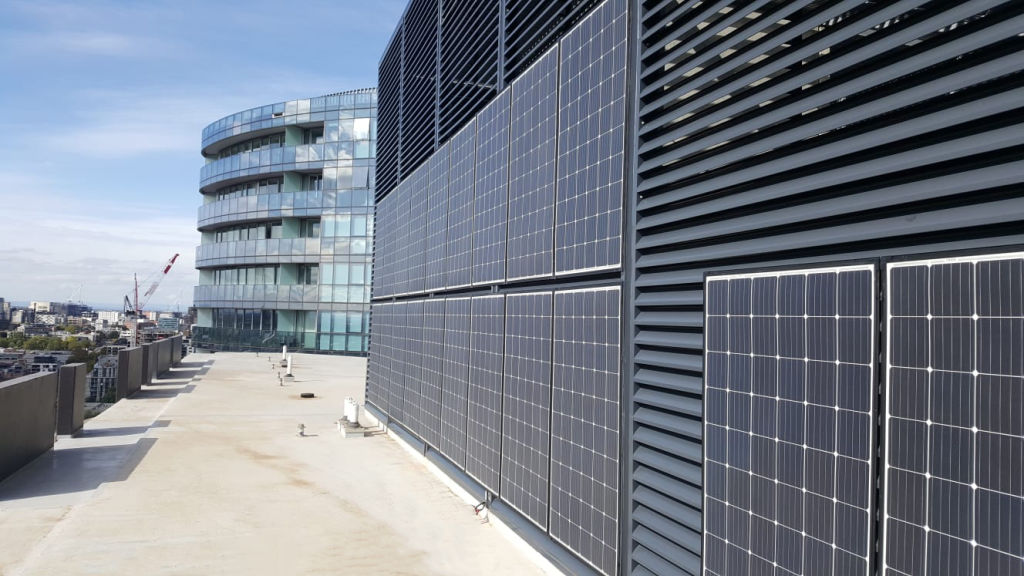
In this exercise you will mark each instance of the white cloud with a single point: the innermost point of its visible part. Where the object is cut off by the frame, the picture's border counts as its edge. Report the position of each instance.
(55, 247)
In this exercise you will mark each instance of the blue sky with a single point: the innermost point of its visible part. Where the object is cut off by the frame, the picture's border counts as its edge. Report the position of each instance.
(104, 104)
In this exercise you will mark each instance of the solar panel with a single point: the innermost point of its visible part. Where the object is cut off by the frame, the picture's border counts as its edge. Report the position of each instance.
(437, 219)
(490, 209)
(455, 387)
(433, 359)
(378, 361)
(413, 365)
(531, 186)
(954, 455)
(396, 348)
(585, 424)
(789, 422)
(415, 223)
(383, 283)
(401, 255)
(459, 257)
(483, 449)
(526, 420)
(592, 112)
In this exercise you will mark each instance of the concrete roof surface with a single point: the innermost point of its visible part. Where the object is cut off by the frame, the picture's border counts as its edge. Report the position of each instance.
(203, 473)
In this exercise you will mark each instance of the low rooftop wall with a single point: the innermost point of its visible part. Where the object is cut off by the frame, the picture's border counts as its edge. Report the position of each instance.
(28, 419)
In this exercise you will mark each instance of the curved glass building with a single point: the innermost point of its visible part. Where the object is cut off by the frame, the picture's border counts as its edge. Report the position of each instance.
(287, 226)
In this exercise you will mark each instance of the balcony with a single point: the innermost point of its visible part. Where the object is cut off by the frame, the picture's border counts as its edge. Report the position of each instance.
(202, 472)
(274, 250)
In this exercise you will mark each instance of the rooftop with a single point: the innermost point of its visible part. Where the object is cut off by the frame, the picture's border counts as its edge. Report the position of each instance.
(203, 473)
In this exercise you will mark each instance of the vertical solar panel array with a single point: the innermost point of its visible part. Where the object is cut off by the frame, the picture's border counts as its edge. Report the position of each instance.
(585, 424)
(483, 428)
(789, 422)
(526, 406)
(432, 377)
(490, 210)
(531, 186)
(461, 178)
(519, 390)
(436, 231)
(954, 486)
(455, 387)
(591, 140)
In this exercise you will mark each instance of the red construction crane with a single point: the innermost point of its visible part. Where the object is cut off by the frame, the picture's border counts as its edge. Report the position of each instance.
(133, 308)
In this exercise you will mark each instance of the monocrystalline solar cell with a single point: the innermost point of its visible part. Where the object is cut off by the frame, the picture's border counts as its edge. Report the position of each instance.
(591, 141)
(490, 209)
(531, 186)
(585, 424)
(789, 422)
(432, 377)
(455, 387)
(953, 483)
(526, 413)
(461, 180)
(483, 449)
(437, 220)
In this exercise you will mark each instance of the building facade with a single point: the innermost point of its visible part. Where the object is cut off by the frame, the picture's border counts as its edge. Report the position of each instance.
(102, 381)
(711, 288)
(287, 225)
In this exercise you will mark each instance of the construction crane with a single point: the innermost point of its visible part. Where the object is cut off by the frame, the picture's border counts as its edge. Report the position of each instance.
(133, 307)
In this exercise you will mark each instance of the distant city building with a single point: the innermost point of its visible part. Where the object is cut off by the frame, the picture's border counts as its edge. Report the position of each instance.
(21, 316)
(46, 363)
(286, 223)
(5, 314)
(169, 323)
(51, 319)
(39, 307)
(102, 378)
(110, 316)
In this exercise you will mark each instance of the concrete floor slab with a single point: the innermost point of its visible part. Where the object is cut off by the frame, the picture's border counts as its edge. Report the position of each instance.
(203, 473)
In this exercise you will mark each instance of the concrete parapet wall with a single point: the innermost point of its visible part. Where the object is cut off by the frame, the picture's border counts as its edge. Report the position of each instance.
(129, 372)
(71, 398)
(28, 419)
(176, 350)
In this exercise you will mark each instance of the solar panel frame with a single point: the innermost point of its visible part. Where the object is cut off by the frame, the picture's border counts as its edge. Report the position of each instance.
(486, 380)
(436, 249)
(591, 142)
(533, 154)
(433, 370)
(455, 387)
(461, 190)
(835, 324)
(954, 446)
(585, 424)
(526, 405)
(490, 210)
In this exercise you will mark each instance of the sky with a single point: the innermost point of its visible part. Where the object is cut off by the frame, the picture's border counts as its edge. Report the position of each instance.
(103, 109)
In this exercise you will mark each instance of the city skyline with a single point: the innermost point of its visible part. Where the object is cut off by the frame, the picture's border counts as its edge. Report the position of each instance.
(101, 181)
